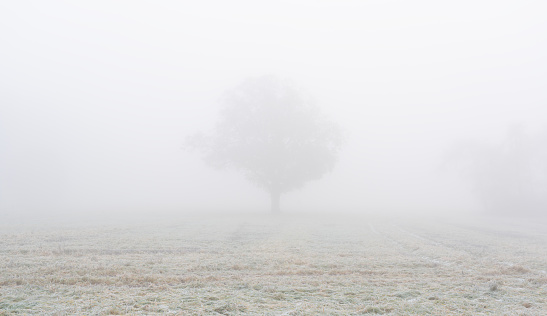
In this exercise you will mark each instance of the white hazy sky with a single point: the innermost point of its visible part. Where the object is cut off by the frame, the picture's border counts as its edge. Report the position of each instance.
(97, 97)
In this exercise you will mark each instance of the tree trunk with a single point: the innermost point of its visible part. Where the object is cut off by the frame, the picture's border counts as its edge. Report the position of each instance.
(275, 196)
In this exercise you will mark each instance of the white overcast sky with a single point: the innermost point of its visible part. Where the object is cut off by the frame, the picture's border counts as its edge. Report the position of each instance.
(97, 97)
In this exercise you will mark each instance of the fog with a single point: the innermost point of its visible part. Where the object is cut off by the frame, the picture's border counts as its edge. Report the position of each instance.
(97, 99)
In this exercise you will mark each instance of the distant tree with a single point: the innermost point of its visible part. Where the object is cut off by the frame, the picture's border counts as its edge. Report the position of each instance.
(273, 135)
(509, 177)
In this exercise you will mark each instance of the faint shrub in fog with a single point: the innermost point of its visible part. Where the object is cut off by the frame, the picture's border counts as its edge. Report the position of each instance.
(273, 135)
(509, 177)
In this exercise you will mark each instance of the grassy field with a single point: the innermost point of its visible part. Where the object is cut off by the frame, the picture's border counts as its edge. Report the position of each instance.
(276, 265)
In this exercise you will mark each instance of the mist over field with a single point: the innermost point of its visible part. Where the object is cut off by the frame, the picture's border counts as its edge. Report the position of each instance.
(305, 157)
(98, 98)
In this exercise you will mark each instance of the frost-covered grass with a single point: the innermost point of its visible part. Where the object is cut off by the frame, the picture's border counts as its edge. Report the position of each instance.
(276, 265)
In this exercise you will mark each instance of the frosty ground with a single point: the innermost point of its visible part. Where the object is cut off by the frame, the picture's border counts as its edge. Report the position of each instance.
(276, 265)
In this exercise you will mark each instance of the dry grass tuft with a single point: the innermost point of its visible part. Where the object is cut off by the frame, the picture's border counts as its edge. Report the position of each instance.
(540, 281)
(376, 310)
(515, 269)
(227, 309)
(114, 311)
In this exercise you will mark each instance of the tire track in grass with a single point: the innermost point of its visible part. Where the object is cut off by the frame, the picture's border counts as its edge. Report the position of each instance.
(417, 236)
(444, 244)
(409, 251)
(488, 258)
(489, 242)
(475, 259)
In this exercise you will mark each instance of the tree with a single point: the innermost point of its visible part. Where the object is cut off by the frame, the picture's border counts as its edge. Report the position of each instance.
(273, 135)
(509, 177)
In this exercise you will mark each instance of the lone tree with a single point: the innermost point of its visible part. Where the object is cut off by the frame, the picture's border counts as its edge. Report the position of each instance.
(273, 135)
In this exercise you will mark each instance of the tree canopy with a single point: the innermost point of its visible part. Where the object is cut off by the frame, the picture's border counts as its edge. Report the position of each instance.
(509, 177)
(272, 134)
